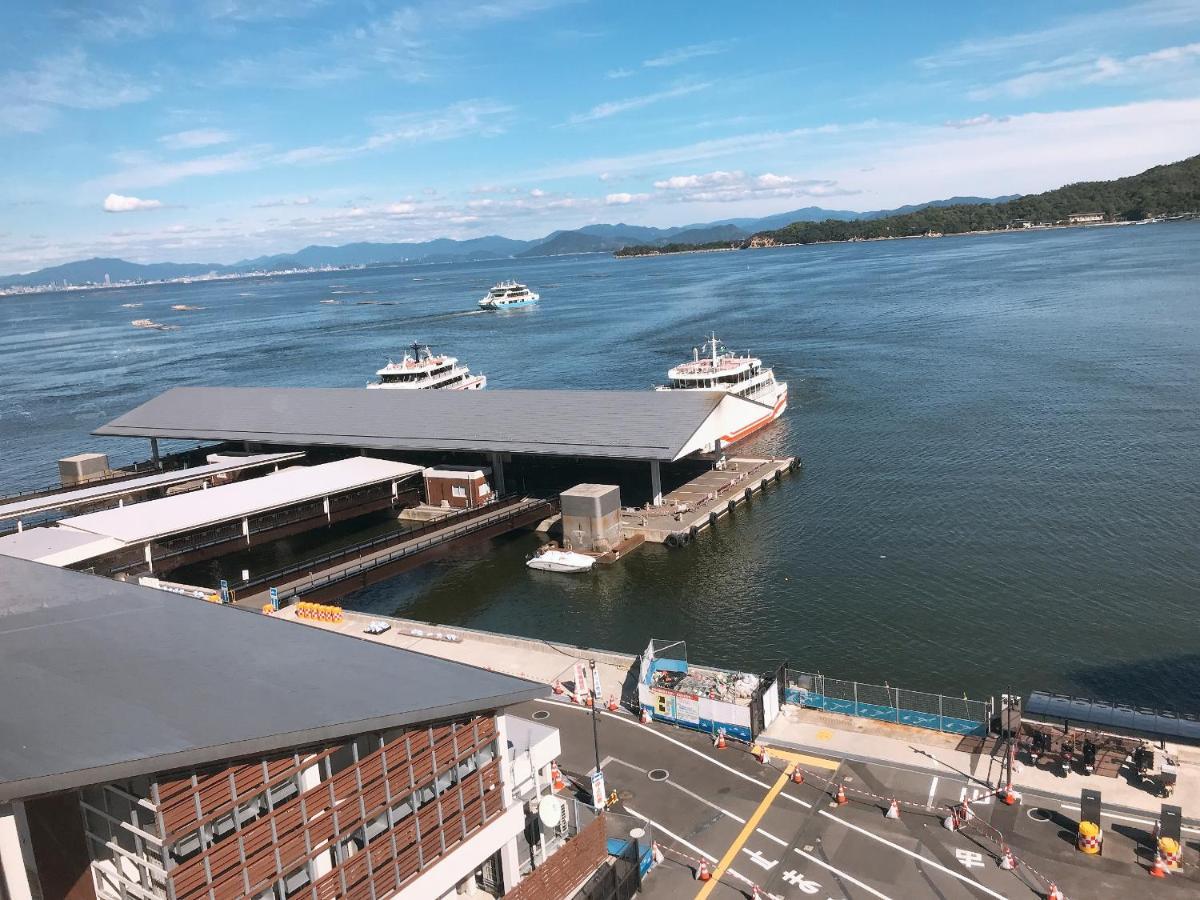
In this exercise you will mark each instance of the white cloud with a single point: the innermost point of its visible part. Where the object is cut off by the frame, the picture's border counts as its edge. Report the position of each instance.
(623, 199)
(683, 54)
(116, 203)
(195, 138)
(1152, 67)
(619, 73)
(283, 201)
(400, 209)
(613, 107)
(730, 187)
(1070, 32)
(537, 192)
(31, 99)
(976, 121)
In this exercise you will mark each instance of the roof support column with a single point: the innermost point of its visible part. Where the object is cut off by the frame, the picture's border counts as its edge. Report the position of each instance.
(498, 472)
(17, 865)
(154, 453)
(655, 483)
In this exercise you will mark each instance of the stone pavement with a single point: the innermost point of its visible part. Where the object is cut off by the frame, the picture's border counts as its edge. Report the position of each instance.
(921, 748)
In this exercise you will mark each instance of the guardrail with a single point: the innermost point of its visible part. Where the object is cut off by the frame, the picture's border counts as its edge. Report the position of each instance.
(447, 529)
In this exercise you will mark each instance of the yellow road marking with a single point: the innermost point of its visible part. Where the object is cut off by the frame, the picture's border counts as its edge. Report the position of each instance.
(803, 759)
(747, 830)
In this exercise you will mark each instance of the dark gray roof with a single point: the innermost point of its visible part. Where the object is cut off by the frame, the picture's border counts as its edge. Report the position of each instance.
(104, 680)
(618, 424)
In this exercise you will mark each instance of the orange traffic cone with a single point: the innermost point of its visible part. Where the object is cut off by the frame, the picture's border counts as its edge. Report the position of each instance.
(797, 776)
(964, 813)
(1007, 860)
(656, 853)
(951, 821)
(645, 716)
(556, 779)
(1159, 869)
(1055, 893)
(613, 705)
(719, 741)
(840, 798)
(762, 754)
(702, 873)
(893, 810)
(1008, 796)
(558, 688)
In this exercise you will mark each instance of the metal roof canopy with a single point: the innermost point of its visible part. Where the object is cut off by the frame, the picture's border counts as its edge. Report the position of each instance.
(197, 509)
(57, 546)
(1152, 724)
(81, 496)
(106, 680)
(639, 425)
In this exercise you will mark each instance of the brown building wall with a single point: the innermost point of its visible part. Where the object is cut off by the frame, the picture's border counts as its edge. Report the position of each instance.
(59, 850)
(567, 867)
(439, 489)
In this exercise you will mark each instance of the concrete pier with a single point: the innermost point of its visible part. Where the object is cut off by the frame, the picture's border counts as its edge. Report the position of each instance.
(699, 503)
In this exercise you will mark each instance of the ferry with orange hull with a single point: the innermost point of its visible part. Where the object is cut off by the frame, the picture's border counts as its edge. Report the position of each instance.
(714, 368)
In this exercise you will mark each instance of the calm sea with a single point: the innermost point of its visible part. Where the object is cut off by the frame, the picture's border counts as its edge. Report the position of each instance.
(1000, 439)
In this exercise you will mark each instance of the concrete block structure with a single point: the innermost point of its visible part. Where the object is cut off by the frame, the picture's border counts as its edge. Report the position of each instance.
(82, 468)
(165, 747)
(457, 487)
(591, 517)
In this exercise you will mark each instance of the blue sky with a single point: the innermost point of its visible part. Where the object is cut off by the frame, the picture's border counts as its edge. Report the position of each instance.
(215, 130)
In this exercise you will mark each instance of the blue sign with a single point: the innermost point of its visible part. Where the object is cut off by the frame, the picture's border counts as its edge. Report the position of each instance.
(224, 591)
(275, 598)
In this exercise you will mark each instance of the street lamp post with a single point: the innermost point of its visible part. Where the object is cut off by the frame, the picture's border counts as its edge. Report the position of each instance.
(595, 727)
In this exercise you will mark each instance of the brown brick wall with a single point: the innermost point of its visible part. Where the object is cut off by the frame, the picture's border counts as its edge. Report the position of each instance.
(567, 867)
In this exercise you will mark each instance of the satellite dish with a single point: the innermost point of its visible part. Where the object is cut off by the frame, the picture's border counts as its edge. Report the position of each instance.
(550, 811)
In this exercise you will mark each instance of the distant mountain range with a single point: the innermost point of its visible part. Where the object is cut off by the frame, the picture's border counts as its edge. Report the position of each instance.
(589, 239)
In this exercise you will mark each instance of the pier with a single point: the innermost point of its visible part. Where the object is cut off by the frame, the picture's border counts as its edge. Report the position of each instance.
(700, 502)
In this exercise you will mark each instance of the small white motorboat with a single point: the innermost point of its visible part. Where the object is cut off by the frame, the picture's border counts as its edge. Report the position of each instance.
(555, 560)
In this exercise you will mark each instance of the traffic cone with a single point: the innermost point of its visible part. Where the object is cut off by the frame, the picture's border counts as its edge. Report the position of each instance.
(656, 853)
(964, 814)
(645, 716)
(558, 688)
(556, 779)
(893, 810)
(1159, 869)
(719, 741)
(702, 873)
(840, 797)
(1055, 893)
(951, 821)
(1008, 796)
(613, 705)
(797, 776)
(1008, 861)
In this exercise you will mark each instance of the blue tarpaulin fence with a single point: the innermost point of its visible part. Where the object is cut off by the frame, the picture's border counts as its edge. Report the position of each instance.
(938, 712)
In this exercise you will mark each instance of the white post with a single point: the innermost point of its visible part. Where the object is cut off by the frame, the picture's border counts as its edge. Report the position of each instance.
(308, 779)
(510, 860)
(17, 865)
(655, 483)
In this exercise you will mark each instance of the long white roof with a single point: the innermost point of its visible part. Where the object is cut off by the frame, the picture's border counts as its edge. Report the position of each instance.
(218, 464)
(56, 546)
(198, 509)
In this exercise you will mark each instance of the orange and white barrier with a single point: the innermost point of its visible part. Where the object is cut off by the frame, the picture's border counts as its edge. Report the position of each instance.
(556, 779)
(320, 612)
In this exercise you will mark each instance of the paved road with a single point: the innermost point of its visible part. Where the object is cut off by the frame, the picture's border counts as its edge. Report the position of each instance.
(757, 827)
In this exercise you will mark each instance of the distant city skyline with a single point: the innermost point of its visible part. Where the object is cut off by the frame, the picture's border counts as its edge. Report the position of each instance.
(227, 129)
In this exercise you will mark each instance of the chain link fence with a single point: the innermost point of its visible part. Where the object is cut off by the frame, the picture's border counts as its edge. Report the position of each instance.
(955, 715)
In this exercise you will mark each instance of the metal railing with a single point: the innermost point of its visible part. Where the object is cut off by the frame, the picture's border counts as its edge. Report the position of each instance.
(446, 530)
(955, 715)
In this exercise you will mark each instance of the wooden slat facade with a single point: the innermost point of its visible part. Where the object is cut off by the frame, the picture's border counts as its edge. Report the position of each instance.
(280, 841)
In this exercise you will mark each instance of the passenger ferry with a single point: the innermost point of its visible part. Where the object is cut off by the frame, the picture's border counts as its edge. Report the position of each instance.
(713, 368)
(508, 295)
(421, 369)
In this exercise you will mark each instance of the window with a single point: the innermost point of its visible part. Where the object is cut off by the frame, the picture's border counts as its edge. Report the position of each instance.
(458, 491)
(484, 490)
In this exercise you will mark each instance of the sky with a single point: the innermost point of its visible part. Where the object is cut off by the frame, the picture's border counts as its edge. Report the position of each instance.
(218, 130)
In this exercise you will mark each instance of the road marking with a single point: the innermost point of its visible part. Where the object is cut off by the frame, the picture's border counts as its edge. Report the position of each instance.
(658, 826)
(970, 859)
(682, 789)
(758, 859)
(924, 861)
(564, 705)
(780, 841)
(747, 830)
(1110, 815)
(932, 788)
(841, 874)
(803, 758)
(797, 879)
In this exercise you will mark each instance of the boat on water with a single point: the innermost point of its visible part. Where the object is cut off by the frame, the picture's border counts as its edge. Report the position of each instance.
(151, 324)
(554, 559)
(715, 368)
(420, 369)
(509, 295)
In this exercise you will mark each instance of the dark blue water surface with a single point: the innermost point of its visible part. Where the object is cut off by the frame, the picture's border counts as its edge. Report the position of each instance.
(1000, 440)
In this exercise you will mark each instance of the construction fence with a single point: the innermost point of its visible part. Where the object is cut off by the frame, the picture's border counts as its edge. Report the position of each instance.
(938, 712)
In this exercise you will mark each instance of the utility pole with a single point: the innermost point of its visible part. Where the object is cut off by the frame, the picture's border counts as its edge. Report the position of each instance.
(596, 729)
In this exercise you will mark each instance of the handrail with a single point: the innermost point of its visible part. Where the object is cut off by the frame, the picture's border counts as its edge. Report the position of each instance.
(502, 509)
